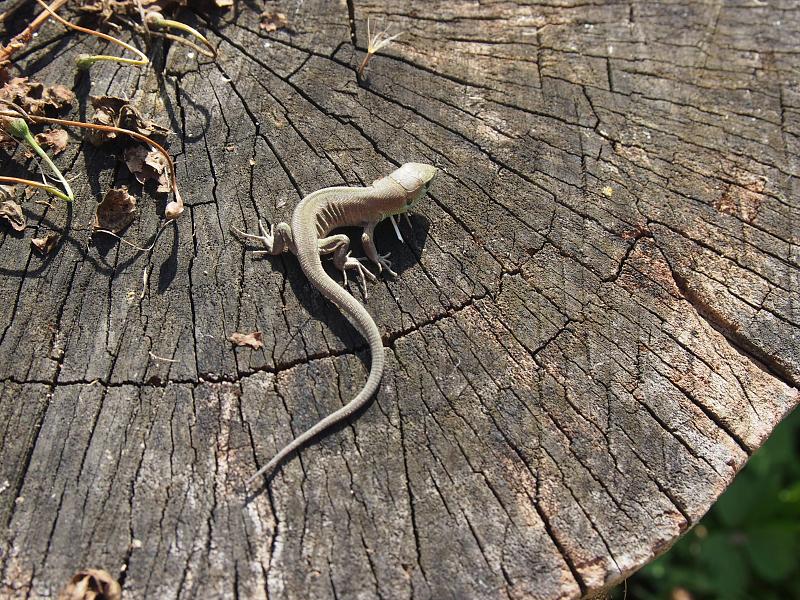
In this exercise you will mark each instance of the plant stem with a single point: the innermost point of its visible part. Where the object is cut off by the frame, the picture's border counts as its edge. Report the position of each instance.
(19, 129)
(84, 61)
(154, 19)
(37, 184)
(25, 36)
(173, 209)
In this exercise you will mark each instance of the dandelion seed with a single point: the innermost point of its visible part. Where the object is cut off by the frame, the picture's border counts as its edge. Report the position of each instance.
(375, 44)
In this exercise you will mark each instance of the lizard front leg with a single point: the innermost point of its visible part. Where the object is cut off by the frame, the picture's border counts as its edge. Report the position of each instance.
(339, 246)
(382, 260)
(277, 241)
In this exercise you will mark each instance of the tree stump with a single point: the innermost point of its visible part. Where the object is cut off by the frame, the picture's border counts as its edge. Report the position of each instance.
(595, 321)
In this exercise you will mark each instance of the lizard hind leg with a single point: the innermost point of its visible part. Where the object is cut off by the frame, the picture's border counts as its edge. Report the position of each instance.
(339, 246)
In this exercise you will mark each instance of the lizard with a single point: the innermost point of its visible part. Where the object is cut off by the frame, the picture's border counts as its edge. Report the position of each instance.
(309, 236)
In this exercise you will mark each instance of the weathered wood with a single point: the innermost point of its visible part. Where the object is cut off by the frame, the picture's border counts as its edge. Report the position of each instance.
(594, 325)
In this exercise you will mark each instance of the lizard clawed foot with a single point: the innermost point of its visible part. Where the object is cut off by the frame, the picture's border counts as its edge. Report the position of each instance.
(384, 264)
(265, 238)
(363, 273)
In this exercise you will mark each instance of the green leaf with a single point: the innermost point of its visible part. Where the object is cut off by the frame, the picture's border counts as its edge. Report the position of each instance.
(726, 566)
(773, 550)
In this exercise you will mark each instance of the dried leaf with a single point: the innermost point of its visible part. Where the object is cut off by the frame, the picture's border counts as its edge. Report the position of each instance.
(99, 8)
(54, 139)
(247, 339)
(12, 212)
(18, 90)
(46, 243)
(156, 161)
(118, 112)
(7, 143)
(134, 159)
(8, 192)
(58, 96)
(91, 584)
(272, 21)
(36, 98)
(116, 211)
(223, 3)
(148, 165)
(106, 8)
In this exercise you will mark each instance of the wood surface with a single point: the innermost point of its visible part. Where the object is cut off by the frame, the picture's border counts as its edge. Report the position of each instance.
(595, 321)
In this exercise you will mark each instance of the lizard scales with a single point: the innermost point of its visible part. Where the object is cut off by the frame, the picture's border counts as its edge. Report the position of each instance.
(309, 237)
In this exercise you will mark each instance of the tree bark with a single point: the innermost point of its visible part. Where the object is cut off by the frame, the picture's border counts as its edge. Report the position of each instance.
(594, 324)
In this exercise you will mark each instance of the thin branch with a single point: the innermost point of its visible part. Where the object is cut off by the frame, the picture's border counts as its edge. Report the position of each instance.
(22, 38)
(155, 19)
(85, 61)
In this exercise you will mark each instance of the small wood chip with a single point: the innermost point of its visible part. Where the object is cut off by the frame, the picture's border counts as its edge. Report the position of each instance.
(44, 245)
(91, 584)
(272, 21)
(247, 339)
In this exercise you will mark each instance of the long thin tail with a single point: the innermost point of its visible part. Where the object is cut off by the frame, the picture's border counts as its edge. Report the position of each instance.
(362, 320)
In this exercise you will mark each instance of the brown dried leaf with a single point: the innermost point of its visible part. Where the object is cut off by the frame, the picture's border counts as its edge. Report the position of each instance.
(91, 584)
(58, 96)
(116, 211)
(8, 192)
(118, 112)
(7, 143)
(18, 90)
(12, 212)
(272, 21)
(156, 161)
(36, 98)
(148, 165)
(247, 339)
(102, 8)
(106, 8)
(54, 139)
(46, 243)
(134, 159)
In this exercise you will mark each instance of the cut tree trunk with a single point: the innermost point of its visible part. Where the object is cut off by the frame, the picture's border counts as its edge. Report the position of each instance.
(594, 323)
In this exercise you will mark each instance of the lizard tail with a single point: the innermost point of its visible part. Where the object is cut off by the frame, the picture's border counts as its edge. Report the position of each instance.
(362, 320)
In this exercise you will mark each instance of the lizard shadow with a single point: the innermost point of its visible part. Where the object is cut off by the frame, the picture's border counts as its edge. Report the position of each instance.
(403, 255)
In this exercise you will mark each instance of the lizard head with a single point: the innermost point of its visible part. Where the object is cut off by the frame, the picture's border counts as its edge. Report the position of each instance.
(415, 179)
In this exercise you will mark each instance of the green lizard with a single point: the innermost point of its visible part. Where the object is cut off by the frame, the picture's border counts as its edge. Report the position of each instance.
(309, 236)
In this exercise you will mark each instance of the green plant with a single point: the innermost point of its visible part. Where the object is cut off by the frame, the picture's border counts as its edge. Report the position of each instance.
(18, 128)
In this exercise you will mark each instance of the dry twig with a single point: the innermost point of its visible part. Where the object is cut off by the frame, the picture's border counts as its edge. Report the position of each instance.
(22, 38)
(85, 61)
